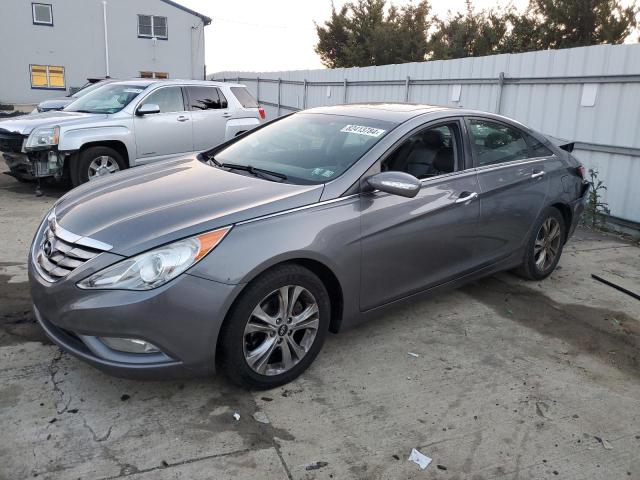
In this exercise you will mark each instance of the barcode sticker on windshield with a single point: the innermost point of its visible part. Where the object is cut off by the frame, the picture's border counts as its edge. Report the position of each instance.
(360, 130)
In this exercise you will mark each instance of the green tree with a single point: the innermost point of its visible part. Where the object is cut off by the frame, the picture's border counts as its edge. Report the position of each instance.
(469, 34)
(575, 23)
(362, 34)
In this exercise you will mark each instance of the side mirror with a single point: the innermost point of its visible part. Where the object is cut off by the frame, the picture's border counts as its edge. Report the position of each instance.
(147, 109)
(396, 183)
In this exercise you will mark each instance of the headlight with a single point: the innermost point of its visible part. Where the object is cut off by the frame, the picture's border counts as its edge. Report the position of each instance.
(155, 267)
(43, 137)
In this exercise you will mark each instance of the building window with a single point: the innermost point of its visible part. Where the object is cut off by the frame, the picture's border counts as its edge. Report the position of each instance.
(150, 26)
(47, 76)
(159, 75)
(42, 14)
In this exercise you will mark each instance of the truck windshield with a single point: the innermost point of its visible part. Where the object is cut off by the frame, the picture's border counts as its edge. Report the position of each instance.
(110, 98)
(306, 148)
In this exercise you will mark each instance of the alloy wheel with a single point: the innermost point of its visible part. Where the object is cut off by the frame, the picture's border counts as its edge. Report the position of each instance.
(101, 166)
(547, 244)
(281, 330)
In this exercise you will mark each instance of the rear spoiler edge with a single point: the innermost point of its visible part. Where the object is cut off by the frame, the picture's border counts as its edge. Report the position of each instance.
(565, 145)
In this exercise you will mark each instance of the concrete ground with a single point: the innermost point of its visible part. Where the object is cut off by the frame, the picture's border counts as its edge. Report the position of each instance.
(512, 379)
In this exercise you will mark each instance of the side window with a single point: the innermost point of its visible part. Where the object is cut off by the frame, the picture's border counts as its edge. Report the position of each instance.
(206, 98)
(244, 97)
(537, 148)
(169, 99)
(429, 153)
(496, 143)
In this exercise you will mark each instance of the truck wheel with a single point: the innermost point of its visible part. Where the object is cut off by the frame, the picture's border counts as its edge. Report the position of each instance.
(96, 162)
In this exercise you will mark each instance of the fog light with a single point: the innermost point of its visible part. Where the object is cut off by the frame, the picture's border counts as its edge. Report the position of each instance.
(129, 345)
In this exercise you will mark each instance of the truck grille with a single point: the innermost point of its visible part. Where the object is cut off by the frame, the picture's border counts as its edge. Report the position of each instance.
(10, 142)
(57, 258)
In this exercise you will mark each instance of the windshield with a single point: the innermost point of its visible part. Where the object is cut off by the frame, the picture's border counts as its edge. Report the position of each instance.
(308, 148)
(88, 88)
(110, 98)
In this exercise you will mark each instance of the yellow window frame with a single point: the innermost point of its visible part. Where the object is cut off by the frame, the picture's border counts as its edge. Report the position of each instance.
(47, 77)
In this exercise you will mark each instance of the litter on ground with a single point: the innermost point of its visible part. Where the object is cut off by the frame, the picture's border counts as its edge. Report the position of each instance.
(419, 458)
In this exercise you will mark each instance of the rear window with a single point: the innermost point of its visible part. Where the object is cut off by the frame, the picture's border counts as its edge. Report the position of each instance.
(244, 97)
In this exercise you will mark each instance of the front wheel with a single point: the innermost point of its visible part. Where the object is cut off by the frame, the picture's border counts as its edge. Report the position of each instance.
(97, 162)
(544, 246)
(276, 328)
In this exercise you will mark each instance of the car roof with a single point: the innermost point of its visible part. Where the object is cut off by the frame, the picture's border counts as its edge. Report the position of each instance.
(401, 112)
(145, 82)
(390, 112)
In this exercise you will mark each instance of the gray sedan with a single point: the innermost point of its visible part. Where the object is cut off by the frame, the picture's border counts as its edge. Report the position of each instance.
(246, 256)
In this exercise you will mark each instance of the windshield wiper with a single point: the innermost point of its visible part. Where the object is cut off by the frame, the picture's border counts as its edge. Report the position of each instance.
(211, 158)
(258, 172)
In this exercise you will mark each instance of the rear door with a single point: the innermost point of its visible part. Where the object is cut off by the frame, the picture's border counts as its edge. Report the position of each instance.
(412, 244)
(512, 173)
(209, 112)
(163, 134)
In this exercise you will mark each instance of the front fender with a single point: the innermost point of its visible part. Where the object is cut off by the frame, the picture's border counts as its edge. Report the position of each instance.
(325, 233)
(73, 139)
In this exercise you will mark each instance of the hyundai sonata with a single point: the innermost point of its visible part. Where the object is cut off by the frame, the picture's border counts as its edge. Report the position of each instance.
(246, 256)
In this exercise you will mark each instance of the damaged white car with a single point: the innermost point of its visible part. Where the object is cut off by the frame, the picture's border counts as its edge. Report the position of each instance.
(124, 124)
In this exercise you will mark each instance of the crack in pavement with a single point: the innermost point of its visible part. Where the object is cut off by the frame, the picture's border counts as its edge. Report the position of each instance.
(53, 370)
(95, 436)
(177, 464)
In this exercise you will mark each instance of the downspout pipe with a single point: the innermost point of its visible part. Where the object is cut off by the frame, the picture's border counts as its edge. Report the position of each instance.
(106, 37)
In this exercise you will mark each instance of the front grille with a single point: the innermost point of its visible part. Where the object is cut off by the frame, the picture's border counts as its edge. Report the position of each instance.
(10, 142)
(57, 258)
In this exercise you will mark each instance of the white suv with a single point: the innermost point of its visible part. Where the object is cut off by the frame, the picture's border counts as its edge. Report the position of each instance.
(124, 124)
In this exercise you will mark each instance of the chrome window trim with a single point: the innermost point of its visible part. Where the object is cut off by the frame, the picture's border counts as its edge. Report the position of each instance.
(512, 163)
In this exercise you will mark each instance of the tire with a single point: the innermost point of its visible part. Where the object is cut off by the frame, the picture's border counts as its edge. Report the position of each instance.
(252, 352)
(546, 237)
(85, 162)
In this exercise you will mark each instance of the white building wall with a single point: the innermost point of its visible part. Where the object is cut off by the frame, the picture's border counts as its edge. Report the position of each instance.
(76, 42)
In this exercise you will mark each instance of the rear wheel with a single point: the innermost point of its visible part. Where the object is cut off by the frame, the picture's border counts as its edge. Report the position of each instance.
(96, 162)
(276, 328)
(544, 246)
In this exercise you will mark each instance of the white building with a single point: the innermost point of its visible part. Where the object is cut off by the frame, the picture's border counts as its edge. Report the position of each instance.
(52, 46)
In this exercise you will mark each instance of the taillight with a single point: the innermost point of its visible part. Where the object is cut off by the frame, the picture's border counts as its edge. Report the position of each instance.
(262, 113)
(582, 172)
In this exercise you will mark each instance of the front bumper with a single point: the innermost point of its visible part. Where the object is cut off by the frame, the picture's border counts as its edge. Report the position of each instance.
(183, 318)
(30, 166)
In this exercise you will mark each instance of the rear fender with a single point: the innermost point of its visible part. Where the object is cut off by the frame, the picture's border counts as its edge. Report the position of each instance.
(238, 125)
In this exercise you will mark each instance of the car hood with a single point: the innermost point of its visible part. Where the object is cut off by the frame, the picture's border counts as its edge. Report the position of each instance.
(55, 103)
(26, 123)
(151, 205)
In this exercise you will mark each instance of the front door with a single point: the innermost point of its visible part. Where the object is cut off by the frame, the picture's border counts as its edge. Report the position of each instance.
(412, 244)
(513, 175)
(167, 133)
(209, 114)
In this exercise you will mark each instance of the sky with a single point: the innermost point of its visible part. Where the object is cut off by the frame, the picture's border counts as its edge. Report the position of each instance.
(271, 35)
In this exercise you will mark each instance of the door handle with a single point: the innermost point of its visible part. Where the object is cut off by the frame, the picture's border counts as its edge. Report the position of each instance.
(466, 197)
(182, 118)
(538, 174)
(226, 115)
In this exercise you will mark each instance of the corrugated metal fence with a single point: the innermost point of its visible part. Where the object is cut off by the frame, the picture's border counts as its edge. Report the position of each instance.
(589, 94)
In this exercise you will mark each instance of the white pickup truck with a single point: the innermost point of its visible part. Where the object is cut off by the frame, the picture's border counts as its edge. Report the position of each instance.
(124, 124)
